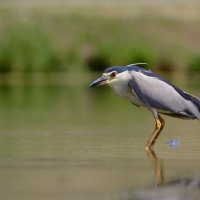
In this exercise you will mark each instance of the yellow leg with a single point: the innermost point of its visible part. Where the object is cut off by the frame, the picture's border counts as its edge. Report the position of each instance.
(159, 126)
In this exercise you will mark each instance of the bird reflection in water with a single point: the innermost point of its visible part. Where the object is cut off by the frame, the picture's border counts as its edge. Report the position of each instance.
(159, 173)
(180, 189)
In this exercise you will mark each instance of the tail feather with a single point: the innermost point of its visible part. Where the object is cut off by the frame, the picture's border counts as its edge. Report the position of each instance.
(196, 102)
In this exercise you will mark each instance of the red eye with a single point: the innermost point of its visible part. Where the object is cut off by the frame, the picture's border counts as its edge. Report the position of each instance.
(113, 74)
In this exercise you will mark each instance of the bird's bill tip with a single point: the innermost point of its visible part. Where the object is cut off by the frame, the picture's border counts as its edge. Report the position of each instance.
(100, 81)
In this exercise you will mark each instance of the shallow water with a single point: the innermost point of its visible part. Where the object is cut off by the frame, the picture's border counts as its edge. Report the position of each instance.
(68, 142)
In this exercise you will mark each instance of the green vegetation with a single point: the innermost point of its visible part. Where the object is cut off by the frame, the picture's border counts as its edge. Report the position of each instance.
(195, 64)
(25, 47)
(47, 39)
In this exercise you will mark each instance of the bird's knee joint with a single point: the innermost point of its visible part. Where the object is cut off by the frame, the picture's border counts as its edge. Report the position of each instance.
(159, 124)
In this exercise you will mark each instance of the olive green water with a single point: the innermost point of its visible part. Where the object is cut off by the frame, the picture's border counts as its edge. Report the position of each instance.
(65, 141)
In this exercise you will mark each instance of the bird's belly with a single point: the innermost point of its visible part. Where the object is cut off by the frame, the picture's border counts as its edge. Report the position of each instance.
(128, 94)
(136, 101)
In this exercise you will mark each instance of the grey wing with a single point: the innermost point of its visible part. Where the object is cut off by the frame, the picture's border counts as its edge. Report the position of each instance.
(156, 93)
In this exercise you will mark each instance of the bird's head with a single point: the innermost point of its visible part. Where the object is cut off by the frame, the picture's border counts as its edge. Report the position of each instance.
(110, 76)
(114, 75)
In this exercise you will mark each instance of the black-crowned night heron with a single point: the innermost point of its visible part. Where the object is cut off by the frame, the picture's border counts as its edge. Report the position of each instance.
(147, 89)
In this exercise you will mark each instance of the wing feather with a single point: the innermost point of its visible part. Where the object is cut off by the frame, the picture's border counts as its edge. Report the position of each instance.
(155, 92)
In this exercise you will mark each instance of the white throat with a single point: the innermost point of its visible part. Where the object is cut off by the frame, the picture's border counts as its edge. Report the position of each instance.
(121, 87)
(120, 84)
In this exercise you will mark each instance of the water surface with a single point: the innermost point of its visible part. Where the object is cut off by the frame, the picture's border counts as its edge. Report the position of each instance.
(61, 141)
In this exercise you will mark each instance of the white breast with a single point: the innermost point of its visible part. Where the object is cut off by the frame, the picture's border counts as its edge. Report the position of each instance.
(121, 87)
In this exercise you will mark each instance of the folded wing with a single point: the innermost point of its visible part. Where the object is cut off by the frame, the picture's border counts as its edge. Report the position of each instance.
(155, 92)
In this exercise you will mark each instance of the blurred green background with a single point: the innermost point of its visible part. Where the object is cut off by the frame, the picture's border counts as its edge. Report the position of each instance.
(64, 36)
(57, 133)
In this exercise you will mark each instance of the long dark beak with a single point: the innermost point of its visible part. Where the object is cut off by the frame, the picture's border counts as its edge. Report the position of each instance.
(100, 81)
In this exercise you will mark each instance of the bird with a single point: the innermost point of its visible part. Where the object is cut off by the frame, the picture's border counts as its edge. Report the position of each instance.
(144, 88)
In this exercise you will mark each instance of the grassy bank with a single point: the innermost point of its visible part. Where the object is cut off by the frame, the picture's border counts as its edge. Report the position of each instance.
(78, 38)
